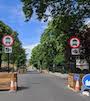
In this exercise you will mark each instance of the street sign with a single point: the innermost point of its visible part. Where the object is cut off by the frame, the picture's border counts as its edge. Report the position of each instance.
(7, 40)
(75, 51)
(8, 49)
(74, 42)
(76, 77)
(86, 81)
(82, 64)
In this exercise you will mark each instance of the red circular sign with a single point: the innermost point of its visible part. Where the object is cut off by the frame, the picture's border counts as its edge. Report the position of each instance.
(7, 40)
(74, 42)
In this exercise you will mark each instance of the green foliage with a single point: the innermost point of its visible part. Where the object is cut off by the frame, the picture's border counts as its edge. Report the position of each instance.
(18, 55)
(68, 15)
(78, 8)
(59, 59)
(49, 53)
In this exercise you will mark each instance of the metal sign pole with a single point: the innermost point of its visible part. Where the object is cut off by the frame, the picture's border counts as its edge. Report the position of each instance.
(8, 41)
(8, 62)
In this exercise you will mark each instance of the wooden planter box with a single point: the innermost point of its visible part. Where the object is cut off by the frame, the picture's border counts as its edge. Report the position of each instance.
(72, 82)
(44, 71)
(22, 71)
(5, 80)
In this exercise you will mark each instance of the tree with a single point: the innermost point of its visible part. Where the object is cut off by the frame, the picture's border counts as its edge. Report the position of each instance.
(49, 53)
(21, 59)
(68, 15)
(18, 51)
(35, 56)
(55, 7)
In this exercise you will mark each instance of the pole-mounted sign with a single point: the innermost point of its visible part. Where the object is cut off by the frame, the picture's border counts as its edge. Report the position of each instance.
(8, 49)
(7, 40)
(75, 51)
(74, 42)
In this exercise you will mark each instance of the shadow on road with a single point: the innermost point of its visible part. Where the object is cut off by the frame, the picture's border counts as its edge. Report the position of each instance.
(22, 88)
(33, 72)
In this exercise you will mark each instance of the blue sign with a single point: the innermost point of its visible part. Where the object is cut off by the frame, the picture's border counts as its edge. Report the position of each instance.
(76, 77)
(86, 81)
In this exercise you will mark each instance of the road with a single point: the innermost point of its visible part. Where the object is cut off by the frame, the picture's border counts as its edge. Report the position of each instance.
(41, 87)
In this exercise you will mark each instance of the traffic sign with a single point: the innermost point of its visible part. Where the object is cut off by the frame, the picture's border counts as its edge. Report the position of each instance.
(82, 64)
(75, 51)
(76, 77)
(86, 80)
(7, 40)
(74, 42)
(8, 49)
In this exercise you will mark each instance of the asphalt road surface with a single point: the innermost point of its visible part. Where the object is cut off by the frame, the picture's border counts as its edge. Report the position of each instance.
(41, 87)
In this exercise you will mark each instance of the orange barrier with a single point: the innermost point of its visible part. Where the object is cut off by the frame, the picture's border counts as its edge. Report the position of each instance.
(8, 81)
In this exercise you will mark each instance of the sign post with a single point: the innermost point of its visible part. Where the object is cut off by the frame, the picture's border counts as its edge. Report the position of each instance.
(74, 43)
(8, 41)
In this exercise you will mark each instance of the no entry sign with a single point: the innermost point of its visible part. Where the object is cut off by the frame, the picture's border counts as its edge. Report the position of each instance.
(7, 40)
(74, 42)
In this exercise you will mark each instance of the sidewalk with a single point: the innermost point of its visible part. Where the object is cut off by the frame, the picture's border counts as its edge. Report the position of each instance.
(64, 76)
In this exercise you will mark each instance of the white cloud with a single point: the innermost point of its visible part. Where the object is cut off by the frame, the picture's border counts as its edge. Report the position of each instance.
(29, 49)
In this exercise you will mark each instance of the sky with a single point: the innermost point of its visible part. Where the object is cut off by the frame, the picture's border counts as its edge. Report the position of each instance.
(29, 32)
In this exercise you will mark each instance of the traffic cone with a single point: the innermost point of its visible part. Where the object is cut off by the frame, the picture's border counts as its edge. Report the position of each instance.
(15, 86)
(12, 86)
(77, 86)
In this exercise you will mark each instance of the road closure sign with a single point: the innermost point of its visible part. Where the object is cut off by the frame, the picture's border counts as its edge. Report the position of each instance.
(74, 42)
(7, 40)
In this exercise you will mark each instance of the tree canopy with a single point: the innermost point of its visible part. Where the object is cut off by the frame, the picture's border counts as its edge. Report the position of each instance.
(68, 15)
(47, 8)
(49, 54)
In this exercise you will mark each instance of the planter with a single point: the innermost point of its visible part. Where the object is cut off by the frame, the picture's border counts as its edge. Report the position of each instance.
(5, 80)
(22, 71)
(44, 71)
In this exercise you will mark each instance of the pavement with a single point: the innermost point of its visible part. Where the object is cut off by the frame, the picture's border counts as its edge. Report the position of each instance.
(34, 86)
(64, 76)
